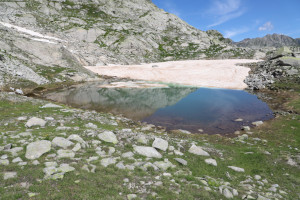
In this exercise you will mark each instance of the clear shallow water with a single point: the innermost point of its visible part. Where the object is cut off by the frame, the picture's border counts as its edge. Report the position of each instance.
(213, 110)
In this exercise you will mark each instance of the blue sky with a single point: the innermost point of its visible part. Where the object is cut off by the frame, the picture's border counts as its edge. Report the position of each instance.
(238, 19)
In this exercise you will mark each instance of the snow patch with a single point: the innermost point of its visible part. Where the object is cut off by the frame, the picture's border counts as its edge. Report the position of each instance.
(45, 38)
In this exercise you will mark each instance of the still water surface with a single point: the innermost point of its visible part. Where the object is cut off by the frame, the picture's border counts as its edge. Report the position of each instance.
(212, 110)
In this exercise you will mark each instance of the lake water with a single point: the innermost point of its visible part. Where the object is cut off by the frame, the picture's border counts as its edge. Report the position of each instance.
(212, 110)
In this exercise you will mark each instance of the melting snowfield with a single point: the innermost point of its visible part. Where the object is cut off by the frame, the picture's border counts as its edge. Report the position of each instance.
(200, 73)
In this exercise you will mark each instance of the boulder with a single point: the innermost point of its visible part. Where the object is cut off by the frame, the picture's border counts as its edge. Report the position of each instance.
(290, 61)
(9, 175)
(61, 142)
(108, 161)
(160, 144)
(164, 165)
(147, 151)
(51, 105)
(198, 151)
(35, 149)
(257, 123)
(181, 161)
(108, 136)
(34, 121)
(227, 193)
(65, 154)
(211, 161)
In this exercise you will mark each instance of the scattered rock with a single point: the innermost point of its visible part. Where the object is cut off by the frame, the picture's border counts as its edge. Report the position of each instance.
(258, 123)
(51, 105)
(76, 148)
(245, 128)
(131, 196)
(35, 149)
(128, 154)
(9, 175)
(4, 162)
(147, 151)
(211, 161)
(34, 121)
(160, 144)
(181, 161)
(108, 136)
(164, 165)
(65, 154)
(227, 193)
(62, 142)
(237, 169)
(108, 161)
(198, 151)
(142, 139)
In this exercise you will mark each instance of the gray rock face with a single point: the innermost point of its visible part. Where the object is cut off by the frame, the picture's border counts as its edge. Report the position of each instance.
(108, 136)
(34, 121)
(160, 144)
(198, 151)
(147, 151)
(35, 149)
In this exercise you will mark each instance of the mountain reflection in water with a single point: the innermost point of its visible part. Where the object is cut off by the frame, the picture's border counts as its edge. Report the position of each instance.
(213, 110)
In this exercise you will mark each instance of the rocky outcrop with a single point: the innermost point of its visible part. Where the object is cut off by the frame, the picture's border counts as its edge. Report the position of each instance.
(280, 66)
(274, 40)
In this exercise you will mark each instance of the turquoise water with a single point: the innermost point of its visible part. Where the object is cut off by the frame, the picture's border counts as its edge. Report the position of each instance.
(212, 110)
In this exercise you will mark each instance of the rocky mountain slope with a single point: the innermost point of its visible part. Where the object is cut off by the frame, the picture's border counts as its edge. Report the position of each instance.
(45, 41)
(274, 40)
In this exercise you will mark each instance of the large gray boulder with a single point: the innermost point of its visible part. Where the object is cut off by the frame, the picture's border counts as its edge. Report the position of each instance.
(290, 61)
(35, 149)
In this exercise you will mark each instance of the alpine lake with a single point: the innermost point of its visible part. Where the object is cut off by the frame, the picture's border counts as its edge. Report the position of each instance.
(197, 110)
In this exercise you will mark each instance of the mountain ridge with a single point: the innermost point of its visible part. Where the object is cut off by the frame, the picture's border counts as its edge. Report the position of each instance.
(270, 40)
